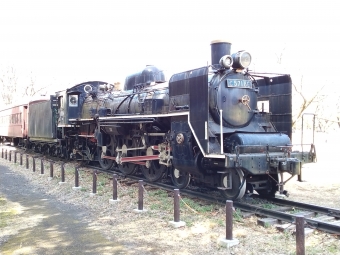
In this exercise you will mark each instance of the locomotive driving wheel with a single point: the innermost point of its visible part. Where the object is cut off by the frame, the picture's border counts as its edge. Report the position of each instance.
(238, 184)
(179, 178)
(153, 171)
(105, 163)
(128, 168)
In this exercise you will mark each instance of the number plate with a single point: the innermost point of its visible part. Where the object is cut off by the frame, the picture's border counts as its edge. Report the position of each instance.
(236, 83)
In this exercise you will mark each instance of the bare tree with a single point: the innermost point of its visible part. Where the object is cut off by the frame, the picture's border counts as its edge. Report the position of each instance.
(305, 102)
(31, 89)
(279, 57)
(302, 101)
(9, 83)
(15, 89)
(328, 111)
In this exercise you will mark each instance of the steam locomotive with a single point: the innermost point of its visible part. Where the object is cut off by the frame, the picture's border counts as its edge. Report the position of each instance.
(218, 126)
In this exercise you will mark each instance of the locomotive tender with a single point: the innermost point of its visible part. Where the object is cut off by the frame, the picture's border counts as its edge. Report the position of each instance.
(207, 126)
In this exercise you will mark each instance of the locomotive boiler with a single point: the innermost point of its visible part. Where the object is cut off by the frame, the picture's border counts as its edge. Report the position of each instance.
(207, 126)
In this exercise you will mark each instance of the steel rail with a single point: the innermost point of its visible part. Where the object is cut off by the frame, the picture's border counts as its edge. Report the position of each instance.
(315, 208)
(290, 218)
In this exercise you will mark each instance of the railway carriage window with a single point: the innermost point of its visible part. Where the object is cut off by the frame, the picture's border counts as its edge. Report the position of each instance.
(73, 101)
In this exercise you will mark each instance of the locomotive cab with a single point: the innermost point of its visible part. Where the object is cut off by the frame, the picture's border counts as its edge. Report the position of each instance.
(68, 105)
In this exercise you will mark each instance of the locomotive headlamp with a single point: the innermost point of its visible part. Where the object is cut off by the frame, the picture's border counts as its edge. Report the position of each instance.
(226, 61)
(241, 59)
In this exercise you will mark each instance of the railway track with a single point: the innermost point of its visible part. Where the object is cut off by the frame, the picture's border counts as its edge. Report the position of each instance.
(282, 211)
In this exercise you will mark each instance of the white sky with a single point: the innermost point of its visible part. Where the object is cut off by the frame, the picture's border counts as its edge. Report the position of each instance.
(66, 42)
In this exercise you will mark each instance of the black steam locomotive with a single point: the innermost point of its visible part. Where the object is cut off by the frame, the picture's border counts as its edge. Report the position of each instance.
(208, 126)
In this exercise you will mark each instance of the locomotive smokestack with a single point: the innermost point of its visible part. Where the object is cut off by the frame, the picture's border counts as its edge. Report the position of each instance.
(219, 48)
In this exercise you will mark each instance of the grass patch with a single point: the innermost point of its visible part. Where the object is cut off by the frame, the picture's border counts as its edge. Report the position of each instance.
(188, 221)
(159, 200)
(2, 201)
(193, 205)
(220, 222)
(269, 206)
(237, 215)
(5, 217)
(159, 193)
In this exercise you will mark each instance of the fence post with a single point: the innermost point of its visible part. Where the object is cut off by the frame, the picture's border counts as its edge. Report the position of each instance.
(176, 206)
(114, 189)
(176, 223)
(76, 179)
(62, 169)
(2, 153)
(27, 163)
(229, 220)
(20, 159)
(228, 241)
(140, 195)
(41, 166)
(10, 155)
(6, 154)
(33, 164)
(51, 171)
(300, 235)
(94, 182)
(15, 157)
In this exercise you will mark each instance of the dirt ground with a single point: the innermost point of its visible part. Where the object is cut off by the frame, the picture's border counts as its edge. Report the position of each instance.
(150, 232)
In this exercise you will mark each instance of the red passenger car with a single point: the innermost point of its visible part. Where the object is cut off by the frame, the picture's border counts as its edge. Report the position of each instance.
(13, 124)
